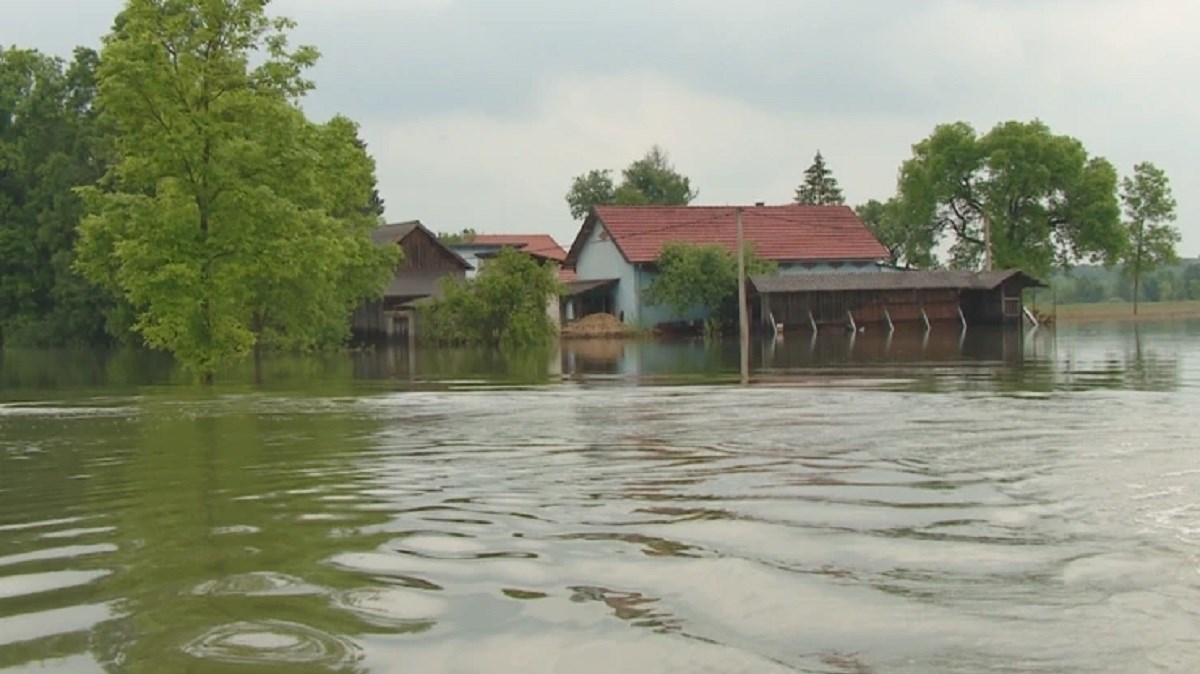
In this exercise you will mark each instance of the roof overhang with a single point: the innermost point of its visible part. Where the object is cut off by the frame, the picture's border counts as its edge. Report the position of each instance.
(575, 288)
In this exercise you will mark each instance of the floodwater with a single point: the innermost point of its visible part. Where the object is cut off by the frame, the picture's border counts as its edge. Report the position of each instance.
(990, 503)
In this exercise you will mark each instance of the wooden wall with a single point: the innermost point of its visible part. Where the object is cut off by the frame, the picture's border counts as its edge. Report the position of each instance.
(1001, 306)
(829, 308)
(423, 253)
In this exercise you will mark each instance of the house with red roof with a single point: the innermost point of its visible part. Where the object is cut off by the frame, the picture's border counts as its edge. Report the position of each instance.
(616, 250)
(476, 249)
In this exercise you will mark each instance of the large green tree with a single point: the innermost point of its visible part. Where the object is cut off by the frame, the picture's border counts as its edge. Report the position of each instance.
(230, 221)
(703, 276)
(819, 188)
(1149, 211)
(50, 143)
(1039, 197)
(651, 180)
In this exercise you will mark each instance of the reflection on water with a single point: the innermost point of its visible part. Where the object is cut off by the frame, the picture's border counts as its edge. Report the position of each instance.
(1145, 356)
(987, 502)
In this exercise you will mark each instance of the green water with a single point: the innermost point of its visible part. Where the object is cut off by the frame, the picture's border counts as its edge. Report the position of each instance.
(914, 504)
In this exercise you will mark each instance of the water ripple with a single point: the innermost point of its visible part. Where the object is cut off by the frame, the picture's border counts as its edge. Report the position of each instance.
(273, 642)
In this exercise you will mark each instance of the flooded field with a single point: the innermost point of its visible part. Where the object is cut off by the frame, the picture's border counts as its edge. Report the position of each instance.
(944, 503)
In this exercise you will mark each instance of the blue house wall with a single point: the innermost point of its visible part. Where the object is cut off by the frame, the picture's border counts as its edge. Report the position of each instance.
(600, 258)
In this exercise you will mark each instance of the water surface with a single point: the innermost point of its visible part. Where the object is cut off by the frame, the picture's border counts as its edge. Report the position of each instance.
(936, 503)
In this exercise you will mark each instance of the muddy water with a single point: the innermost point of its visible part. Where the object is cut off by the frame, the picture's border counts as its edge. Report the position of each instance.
(905, 505)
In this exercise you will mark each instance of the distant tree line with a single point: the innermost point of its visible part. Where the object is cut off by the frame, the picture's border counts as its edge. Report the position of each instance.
(1090, 284)
(169, 191)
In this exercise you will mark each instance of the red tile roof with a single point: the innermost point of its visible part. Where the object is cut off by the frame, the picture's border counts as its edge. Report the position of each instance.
(538, 244)
(782, 233)
(567, 275)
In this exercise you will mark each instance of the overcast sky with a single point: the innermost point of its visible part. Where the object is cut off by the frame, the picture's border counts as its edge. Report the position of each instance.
(479, 112)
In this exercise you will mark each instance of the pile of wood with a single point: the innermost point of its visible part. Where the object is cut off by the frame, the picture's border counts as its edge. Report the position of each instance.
(597, 325)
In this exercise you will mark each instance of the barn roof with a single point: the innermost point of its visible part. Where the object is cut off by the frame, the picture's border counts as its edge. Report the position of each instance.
(395, 233)
(792, 232)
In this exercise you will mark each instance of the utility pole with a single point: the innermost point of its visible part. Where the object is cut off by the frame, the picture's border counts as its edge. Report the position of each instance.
(743, 313)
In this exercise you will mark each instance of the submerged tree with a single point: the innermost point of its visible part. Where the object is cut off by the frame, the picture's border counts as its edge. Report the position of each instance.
(651, 180)
(506, 304)
(819, 188)
(701, 276)
(230, 221)
(1038, 198)
(1149, 212)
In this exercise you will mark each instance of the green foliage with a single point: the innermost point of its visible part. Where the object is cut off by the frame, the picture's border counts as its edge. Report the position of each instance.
(651, 180)
(50, 143)
(231, 221)
(594, 188)
(1149, 211)
(819, 188)
(504, 305)
(1048, 203)
(703, 276)
(454, 238)
(909, 246)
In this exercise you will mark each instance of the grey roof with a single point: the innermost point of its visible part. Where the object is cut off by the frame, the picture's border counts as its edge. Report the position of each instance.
(937, 279)
(394, 233)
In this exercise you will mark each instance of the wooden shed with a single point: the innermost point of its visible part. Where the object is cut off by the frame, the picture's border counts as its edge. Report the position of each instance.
(990, 298)
(427, 262)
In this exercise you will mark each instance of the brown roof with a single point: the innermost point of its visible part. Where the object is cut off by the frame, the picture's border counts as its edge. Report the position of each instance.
(792, 232)
(936, 279)
(541, 245)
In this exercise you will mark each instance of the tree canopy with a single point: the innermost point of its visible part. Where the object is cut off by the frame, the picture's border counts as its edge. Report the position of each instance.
(1149, 209)
(505, 304)
(701, 275)
(50, 144)
(230, 220)
(1046, 202)
(909, 246)
(651, 180)
(819, 188)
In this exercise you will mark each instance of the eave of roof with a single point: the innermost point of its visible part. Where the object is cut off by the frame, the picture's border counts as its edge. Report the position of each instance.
(941, 279)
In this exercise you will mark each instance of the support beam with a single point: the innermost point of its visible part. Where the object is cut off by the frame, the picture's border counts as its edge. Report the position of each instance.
(743, 313)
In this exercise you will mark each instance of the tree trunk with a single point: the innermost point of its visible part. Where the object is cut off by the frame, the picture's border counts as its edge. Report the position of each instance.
(1137, 277)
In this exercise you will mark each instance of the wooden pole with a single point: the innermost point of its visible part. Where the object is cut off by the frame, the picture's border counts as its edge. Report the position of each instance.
(743, 312)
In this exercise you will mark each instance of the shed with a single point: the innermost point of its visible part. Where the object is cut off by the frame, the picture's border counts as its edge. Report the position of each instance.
(427, 263)
(837, 298)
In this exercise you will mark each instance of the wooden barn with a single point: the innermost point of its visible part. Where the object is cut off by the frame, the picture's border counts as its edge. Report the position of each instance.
(990, 298)
(426, 263)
